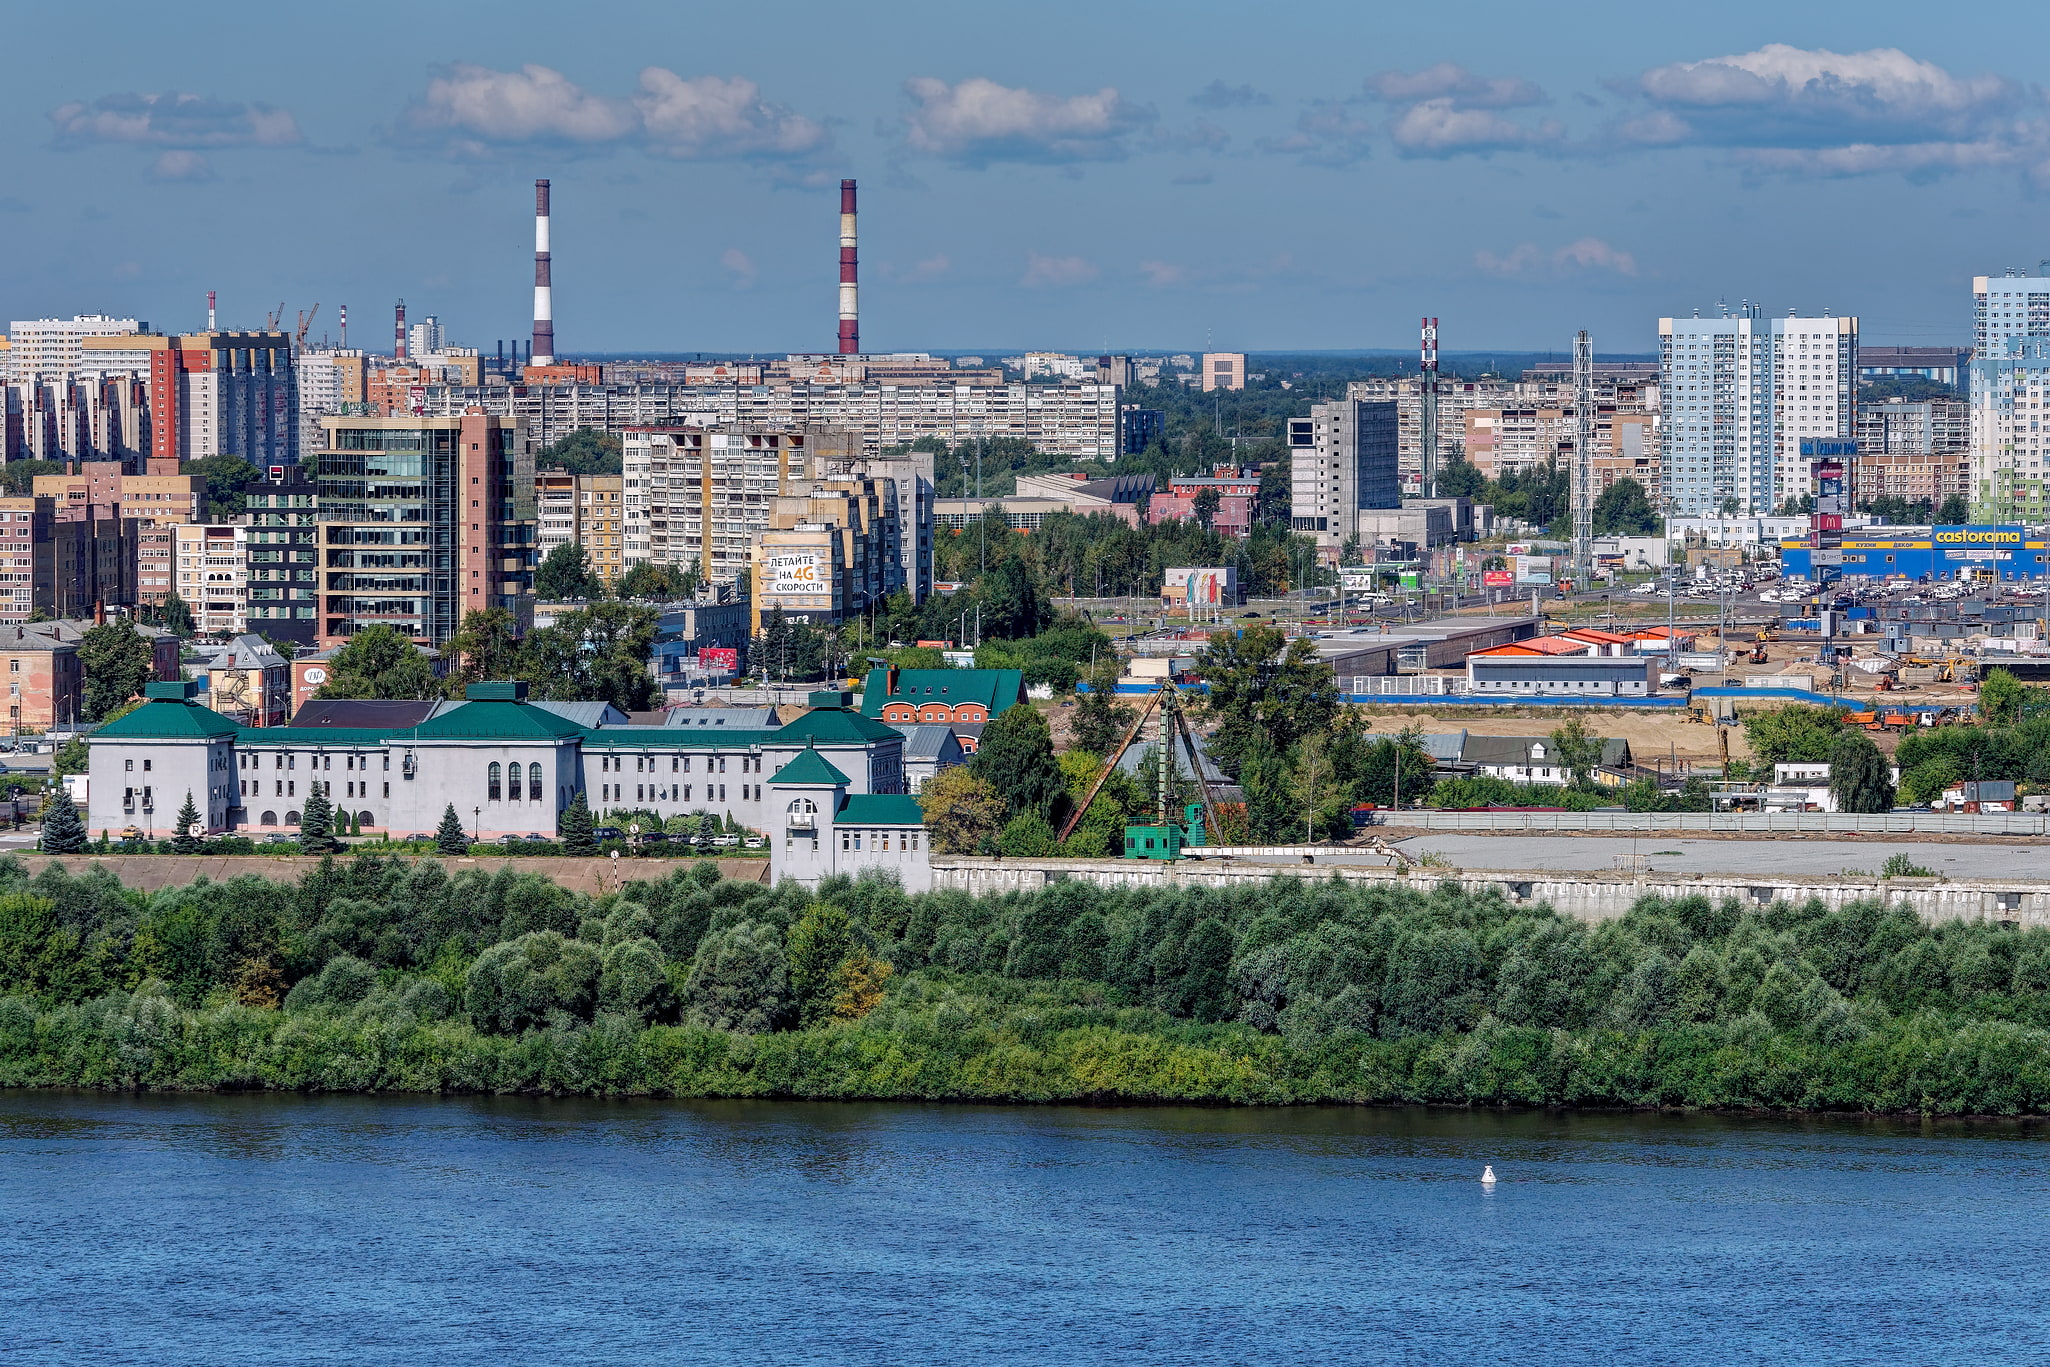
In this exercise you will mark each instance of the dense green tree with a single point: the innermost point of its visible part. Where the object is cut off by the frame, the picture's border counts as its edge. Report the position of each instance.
(1100, 721)
(650, 582)
(1010, 601)
(63, 831)
(1577, 750)
(1262, 681)
(18, 477)
(489, 646)
(1954, 512)
(116, 660)
(1015, 757)
(1860, 779)
(1205, 505)
(74, 757)
(632, 982)
(576, 828)
(1269, 785)
(379, 662)
(186, 838)
(818, 943)
(961, 809)
(224, 479)
(317, 822)
(176, 617)
(450, 838)
(740, 980)
(598, 653)
(1787, 735)
(2001, 697)
(566, 575)
(1624, 509)
(586, 451)
(1028, 836)
(541, 978)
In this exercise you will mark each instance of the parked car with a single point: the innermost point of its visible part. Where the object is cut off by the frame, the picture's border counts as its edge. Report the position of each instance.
(608, 833)
(287, 838)
(655, 837)
(755, 842)
(727, 841)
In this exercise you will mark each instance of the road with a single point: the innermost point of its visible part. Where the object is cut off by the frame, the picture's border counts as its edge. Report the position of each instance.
(1671, 855)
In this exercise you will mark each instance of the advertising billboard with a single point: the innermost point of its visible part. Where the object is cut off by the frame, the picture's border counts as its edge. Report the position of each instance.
(1209, 585)
(719, 660)
(1356, 578)
(795, 572)
(1498, 579)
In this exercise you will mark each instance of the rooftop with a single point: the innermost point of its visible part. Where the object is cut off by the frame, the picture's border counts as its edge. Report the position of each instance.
(809, 767)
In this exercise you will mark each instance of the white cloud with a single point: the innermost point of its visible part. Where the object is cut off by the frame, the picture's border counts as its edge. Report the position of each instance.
(174, 120)
(1439, 128)
(1450, 81)
(1161, 274)
(474, 110)
(476, 106)
(920, 272)
(977, 122)
(709, 117)
(1054, 272)
(181, 164)
(1813, 111)
(1586, 254)
(1329, 133)
(739, 265)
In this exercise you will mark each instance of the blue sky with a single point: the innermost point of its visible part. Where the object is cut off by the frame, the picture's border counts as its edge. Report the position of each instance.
(1128, 175)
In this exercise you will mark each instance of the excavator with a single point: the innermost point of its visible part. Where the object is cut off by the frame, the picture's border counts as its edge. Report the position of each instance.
(1198, 824)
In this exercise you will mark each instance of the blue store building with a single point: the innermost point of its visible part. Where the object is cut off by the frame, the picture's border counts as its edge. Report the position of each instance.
(1934, 554)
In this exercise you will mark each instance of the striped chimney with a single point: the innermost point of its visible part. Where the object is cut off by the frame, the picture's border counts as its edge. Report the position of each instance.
(543, 350)
(850, 314)
(399, 351)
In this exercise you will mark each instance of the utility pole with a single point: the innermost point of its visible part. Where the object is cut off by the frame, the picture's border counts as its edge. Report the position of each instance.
(1583, 459)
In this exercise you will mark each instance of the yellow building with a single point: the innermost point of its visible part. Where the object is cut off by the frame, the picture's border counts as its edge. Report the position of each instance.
(585, 509)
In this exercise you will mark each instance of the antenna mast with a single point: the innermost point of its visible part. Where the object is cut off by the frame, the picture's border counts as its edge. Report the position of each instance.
(1427, 456)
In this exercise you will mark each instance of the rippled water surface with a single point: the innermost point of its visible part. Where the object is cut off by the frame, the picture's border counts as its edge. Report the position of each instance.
(281, 1230)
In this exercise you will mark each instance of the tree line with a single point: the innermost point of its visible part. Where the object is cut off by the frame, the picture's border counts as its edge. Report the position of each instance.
(379, 974)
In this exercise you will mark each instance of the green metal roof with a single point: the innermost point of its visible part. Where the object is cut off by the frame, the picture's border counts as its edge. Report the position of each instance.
(809, 767)
(492, 719)
(674, 738)
(879, 809)
(164, 718)
(314, 735)
(997, 689)
(832, 726)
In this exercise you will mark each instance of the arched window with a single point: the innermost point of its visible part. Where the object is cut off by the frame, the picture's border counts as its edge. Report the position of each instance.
(492, 783)
(533, 782)
(291, 818)
(367, 818)
(270, 818)
(803, 814)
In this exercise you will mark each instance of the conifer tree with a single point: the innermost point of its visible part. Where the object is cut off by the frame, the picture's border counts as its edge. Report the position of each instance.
(450, 837)
(185, 840)
(317, 824)
(63, 832)
(576, 828)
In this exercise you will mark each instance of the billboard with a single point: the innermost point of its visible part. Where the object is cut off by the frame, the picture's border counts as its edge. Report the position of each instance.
(719, 660)
(1498, 579)
(795, 572)
(1356, 578)
(1200, 584)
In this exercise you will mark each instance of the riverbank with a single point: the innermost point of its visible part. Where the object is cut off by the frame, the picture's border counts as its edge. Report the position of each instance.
(1034, 1051)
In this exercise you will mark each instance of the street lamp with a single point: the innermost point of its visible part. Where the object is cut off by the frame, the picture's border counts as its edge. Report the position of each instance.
(477, 823)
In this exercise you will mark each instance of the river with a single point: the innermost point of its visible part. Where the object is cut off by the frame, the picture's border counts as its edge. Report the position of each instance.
(285, 1229)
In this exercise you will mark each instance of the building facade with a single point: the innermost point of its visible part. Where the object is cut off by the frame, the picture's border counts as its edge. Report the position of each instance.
(1738, 394)
(2012, 307)
(422, 520)
(212, 574)
(586, 509)
(2010, 387)
(283, 513)
(1342, 460)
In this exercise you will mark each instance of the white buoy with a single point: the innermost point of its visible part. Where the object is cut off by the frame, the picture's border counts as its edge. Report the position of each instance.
(1488, 1176)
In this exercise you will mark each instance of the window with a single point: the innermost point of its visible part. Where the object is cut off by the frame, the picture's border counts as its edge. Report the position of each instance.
(533, 782)
(128, 766)
(493, 778)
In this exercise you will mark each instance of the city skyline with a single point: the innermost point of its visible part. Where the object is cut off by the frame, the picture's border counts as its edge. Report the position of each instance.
(1146, 179)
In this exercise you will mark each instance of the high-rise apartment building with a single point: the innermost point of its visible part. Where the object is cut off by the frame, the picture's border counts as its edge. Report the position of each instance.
(213, 575)
(284, 554)
(1738, 394)
(422, 520)
(2010, 307)
(586, 509)
(1342, 459)
(823, 556)
(51, 348)
(2010, 430)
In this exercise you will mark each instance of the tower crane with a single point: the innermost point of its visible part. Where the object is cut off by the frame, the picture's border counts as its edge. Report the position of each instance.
(305, 322)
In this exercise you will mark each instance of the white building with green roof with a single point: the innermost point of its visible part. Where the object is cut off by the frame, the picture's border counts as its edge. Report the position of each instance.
(513, 767)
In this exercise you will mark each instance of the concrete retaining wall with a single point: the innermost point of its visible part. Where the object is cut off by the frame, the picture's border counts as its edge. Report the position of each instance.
(1588, 896)
(595, 876)
(1763, 823)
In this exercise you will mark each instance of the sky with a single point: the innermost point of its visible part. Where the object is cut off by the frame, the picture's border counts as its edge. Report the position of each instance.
(1124, 176)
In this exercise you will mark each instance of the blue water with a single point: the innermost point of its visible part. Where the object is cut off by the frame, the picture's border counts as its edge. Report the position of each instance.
(287, 1230)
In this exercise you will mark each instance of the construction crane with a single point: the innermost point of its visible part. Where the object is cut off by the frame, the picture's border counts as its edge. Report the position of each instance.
(1174, 724)
(276, 315)
(305, 322)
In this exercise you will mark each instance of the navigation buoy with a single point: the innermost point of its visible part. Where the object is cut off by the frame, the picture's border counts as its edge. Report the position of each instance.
(1488, 1176)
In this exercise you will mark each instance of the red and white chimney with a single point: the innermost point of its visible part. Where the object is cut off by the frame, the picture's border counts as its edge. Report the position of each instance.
(850, 312)
(543, 350)
(399, 349)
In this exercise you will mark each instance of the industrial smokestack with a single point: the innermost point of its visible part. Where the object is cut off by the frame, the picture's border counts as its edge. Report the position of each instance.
(543, 352)
(399, 351)
(345, 327)
(850, 313)
(209, 310)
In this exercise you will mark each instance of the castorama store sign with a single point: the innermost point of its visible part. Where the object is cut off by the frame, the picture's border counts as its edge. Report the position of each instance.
(1978, 544)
